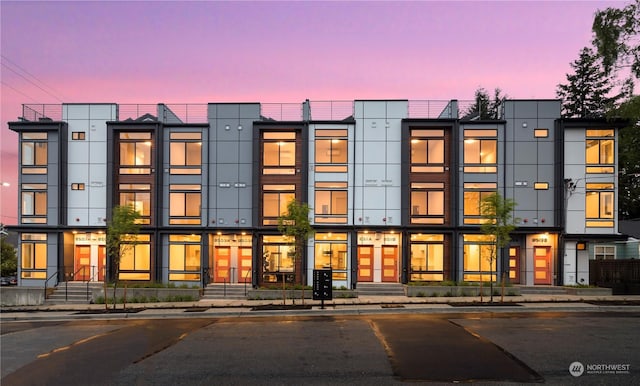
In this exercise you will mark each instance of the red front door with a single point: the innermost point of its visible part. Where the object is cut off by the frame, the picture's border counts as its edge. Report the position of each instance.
(244, 273)
(222, 265)
(542, 265)
(514, 265)
(365, 263)
(390, 263)
(82, 266)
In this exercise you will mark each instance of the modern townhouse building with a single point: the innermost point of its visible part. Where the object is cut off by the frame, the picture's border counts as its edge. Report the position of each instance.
(394, 187)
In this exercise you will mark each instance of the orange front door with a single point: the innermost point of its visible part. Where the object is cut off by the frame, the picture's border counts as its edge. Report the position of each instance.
(514, 265)
(365, 263)
(541, 265)
(102, 262)
(82, 266)
(390, 263)
(244, 273)
(222, 264)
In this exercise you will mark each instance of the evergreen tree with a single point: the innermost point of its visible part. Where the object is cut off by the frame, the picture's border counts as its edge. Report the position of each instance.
(484, 107)
(586, 92)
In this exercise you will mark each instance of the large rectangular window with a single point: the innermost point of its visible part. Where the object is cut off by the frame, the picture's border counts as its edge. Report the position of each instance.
(331, 253)
(135, 258)
(600, 153)
(331, 151)
(33, 256)
(135, 153)
(427, 151)
(478, 264)
(278, 256)
(278, 152)
(275, 199)
(599, 204)
(427, 257)
(331, 202)
(184, 257)
(427, 203)
(34, 153)
(474, 193)
(184, 204)
(34, 204)
(139, 197)
(185, 153)
(480, 151)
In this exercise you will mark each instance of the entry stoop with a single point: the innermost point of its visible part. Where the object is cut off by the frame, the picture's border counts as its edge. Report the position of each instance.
(220, 291)
(73, 292)
(380, 289)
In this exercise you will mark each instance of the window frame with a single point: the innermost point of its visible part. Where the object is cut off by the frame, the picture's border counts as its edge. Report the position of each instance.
(603, 192)
(38, 161)
(484, 138)
(333, 136)
(186, 191)
(137, 245)
(473, 216)
(139, 141)
(191, 143)
(426, 274)
(184, 242)
(427, 136)
(136, 190)
(429, 217)
(280, 139)
(33, 250)
(597, 138)
(37, 211)
(482, 268)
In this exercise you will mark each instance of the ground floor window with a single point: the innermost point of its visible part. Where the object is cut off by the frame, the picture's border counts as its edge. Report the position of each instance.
(605, 252)
(331, 253)
(184, 257)
(478, 264)
(33, 256)
(135, 258)
(427, 257)
(278, 259)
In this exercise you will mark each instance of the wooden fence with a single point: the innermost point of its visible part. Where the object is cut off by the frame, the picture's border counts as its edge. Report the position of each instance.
(622, 276)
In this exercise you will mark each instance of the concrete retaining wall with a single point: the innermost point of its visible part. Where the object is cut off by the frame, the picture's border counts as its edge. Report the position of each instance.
(21, 296)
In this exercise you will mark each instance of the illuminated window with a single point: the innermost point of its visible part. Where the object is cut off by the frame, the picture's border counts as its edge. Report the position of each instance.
(135, 153)
(184, 257)
(278, 152)
(330, 202)
(33, 256)
(480, 151)
(78, 135)
(331, 150)
(427, 203)
(185, 153)
(184, 204)
(474, 193)
(605, 252)
(600, 154)
(135, 258)
(34, 153)
(331, 253)
(139, 197)
(599, 204)
(541, 133)
(275, 199)
(34, 204)
(478, 262)
(427, 151)
(427, 257)
(278, 259)
(77, 186)
(541, 185)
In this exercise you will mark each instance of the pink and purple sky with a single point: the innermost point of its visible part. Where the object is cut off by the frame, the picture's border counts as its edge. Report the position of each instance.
(209, 51)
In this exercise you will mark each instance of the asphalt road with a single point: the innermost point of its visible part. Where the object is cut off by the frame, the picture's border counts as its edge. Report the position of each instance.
(384, 349)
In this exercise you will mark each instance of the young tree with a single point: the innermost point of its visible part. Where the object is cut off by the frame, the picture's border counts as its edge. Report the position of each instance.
(121, 231)
(586, 92)
(629, 160)
(9, 264)
(484, 107)
(498, 222)
(295, 224)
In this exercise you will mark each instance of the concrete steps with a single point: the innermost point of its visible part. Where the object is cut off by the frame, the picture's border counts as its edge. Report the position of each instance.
(380, 289)
(73, 292)
(220, 291)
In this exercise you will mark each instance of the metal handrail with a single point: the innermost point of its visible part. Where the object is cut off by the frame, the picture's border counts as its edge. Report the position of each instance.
(46, 281)
(95, 272)
(245, 280)
(66, 283)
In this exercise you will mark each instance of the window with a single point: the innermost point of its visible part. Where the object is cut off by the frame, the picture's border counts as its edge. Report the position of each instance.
(541, 133)
(185, 153)
(599, 204)
(427, 151)
(478, 260)
(184, 204)
(480, 151)
(331, 202)
(275, 199)
(135, 258)
(331, 253)
(77, 186)
(331, 150)
(541, 185)
(278, 259)
(34, 204)
(427, 257)
(34, 153)
(474, 193)
(184, 257)
(78, 135)
(279, 153)
(135, 153)
(138, 196)
(33, 256)
(600, 157)
(605, 252)
(427, 203)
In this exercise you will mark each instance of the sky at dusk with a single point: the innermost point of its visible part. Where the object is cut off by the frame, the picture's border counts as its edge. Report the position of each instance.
(200, 52)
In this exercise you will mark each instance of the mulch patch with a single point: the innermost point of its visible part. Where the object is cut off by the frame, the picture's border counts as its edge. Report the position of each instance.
(485, 304)
(110, 311)
(281, 307)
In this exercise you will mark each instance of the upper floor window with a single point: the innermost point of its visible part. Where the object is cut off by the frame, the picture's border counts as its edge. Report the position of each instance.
(427, 151)
(480, 151)
(33, 256)
(139, 197)
(185, 153)
(474, 193)
(600, 157)
(275, 199)
(135, 153)
(599, 204)
(331, 202)
(34, 153)
(78, 135)
(279, 152)
(184, 204)
(331, 150)
(34, 203)
(427, 203)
